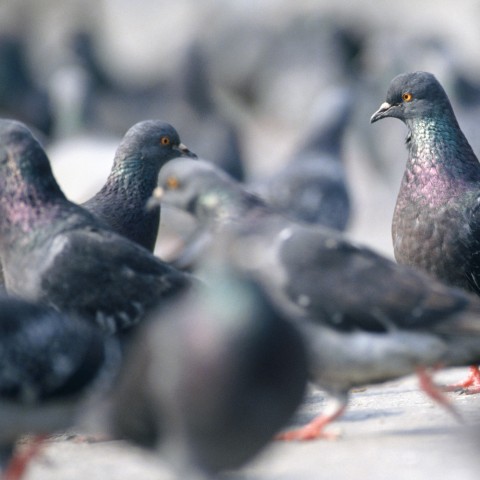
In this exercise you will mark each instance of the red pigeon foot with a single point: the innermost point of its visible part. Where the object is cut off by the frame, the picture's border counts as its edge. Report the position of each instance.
(434, 392)
(21, 458)
(470, 385)
(314, 429)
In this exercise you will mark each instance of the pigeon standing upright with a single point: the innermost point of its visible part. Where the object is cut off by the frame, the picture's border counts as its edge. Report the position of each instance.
(436, 222)
(56, 252)
(365, 319)
(213, 377)
(121, 201)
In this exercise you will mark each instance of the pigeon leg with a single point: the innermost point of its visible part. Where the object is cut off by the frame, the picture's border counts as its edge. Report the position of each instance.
(315, 429)
(433, 391)
(470, 385)
(19, 462)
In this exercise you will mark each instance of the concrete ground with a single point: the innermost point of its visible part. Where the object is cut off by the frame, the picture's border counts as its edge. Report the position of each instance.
(391, 431)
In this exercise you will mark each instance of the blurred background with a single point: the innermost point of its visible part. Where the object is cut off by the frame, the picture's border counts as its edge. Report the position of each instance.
(239, 79)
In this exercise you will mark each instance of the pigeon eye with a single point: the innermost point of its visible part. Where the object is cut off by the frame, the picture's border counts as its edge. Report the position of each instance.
(407, 97)
(172, 183)
(165, 141)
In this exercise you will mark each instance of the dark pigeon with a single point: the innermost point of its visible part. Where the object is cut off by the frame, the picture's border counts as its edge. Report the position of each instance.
(436, 222)
(365, 318)
(55, 252)
(52, 368)
(121, 201)
(20, 94)
(312, 187)
(212, 378)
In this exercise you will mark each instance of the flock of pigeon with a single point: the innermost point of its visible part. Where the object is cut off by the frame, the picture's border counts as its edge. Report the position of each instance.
(207, 364)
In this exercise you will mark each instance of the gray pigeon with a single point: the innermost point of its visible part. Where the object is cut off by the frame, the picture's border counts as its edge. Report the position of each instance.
(365, 318)
(312, 187)
(212, 378)
(51, 367)
(121, 201)
(436, 223)
(57, 253)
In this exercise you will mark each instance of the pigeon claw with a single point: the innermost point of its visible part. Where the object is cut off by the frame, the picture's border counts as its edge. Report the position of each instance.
(19, 462)
(437, 395)
(470, 386)
(315, 429)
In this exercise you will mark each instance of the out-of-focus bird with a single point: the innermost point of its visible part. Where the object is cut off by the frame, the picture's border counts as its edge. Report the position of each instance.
(121, 202)
(51, 368)
(436, 222)
(312, 187)
(365, 319)
(20, 95)
(213, 377)
(57, 253)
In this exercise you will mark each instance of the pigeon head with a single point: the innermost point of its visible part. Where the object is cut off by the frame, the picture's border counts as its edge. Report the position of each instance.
(24, 165)
(195, 186)
(151, 141)
(413, 96)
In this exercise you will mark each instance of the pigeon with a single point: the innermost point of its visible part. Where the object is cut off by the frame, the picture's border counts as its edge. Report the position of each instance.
(121, 201)
(52, 367)
(312, 186)
(57, 253)
(365, 319)
(436, 222)
(212, 377)
(20, 95)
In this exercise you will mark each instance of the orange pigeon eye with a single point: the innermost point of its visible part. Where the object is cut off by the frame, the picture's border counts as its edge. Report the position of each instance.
(165, 141)
(172, 183)
(407, 97)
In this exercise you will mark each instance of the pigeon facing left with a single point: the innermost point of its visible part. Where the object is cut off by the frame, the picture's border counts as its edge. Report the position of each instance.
(436, 222)
(365, 319)
(121, 201)
(58, 253)
(213, 377)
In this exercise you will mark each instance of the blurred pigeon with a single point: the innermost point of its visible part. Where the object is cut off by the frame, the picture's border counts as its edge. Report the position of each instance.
(213, 377)
(121, 201)
(50, 368)
(436, 223)
(185, 99)
(365, 319)
(20, 96)
(312, 187)
(58, 253)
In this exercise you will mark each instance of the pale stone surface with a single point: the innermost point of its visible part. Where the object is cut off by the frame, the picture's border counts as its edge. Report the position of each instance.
(390, 431)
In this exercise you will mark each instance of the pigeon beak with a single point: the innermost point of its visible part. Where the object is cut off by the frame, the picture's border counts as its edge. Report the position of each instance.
(184, 151)
(382, 112)
(156, 198)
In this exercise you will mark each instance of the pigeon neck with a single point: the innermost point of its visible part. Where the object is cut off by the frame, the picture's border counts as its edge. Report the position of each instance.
(133, 177)
(438, 148)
